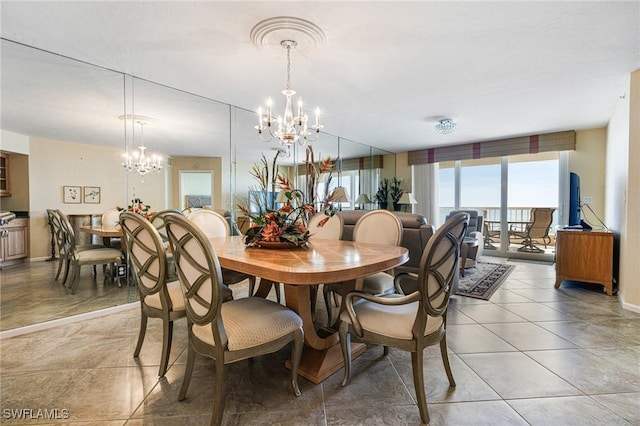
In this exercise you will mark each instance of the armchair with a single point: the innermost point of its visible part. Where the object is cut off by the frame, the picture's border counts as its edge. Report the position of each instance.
(473, 236)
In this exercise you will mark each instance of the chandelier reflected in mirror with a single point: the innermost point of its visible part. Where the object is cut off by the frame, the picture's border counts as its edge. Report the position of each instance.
(290, 128)
(139, 161)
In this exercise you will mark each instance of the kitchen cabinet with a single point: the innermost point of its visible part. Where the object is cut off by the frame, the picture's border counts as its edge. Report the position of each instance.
(14, 240)
(5, 189)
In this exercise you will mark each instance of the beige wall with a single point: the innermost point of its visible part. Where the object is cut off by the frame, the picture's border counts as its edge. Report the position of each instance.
(588, 161)
(630, 244)
(623, 189)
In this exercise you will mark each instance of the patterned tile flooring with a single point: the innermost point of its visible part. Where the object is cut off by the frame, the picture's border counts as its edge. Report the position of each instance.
(531, 355)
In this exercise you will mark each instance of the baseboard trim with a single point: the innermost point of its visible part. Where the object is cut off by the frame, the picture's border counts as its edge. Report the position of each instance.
(628, 306)
(68, 320)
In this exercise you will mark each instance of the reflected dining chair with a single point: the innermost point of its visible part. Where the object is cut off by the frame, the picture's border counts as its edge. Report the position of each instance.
(415, 321)
(214, 225)
(110, 220)
(231, 331)
(55, 219)
(78, 257)
(158, 298)
(376, 227)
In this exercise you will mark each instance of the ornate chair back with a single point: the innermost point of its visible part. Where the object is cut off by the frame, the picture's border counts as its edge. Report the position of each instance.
(378, 227)
(147, 256)
(213, 224)
(331, 229)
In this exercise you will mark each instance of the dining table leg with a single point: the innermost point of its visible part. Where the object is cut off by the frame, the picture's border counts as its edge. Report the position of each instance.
(322, 355)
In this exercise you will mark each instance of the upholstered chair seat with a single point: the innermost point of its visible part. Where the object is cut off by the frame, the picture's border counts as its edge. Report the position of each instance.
(251, 321)
(175, 294)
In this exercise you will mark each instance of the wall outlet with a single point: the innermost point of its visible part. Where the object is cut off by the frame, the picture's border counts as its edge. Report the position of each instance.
(587, 199)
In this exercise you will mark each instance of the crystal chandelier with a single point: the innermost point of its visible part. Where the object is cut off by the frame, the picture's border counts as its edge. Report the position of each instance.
(139, 161)
(290, 129)
(446, 126)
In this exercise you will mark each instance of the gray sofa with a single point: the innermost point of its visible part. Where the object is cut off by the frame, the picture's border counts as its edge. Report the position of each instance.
(415, 234)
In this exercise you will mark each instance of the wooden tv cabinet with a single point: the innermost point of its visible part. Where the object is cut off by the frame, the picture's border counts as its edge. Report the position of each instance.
(585, 256)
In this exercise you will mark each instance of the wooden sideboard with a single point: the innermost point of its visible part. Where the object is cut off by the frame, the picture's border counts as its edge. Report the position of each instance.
(585, 256)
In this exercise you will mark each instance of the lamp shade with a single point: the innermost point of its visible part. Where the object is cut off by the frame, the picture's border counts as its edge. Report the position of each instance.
(340, 195)
(407, 198)
(363, 199)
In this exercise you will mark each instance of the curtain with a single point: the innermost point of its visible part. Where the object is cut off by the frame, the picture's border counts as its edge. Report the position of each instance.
(425, 186)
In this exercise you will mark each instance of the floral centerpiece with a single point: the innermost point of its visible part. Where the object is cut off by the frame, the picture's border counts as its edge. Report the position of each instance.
(286, 225)
(138, 207)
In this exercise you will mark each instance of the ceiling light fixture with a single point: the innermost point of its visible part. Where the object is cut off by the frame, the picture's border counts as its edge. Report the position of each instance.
(290, 129)
(138, 161)
(446, 126)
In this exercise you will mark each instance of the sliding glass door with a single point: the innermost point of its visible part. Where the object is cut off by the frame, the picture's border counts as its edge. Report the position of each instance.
(518, 197)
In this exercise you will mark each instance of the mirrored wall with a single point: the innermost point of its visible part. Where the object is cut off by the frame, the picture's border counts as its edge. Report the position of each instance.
(74, 121)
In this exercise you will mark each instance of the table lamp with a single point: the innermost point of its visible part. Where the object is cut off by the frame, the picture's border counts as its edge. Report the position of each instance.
(407, 198)
(362, 200)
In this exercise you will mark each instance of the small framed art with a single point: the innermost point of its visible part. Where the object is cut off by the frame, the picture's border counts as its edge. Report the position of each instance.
(71, 194)
(92, 194)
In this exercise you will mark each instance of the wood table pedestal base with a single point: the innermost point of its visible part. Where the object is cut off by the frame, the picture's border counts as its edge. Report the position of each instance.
(317, 365)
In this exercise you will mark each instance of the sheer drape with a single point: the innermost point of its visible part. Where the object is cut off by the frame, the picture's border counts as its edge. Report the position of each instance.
(425, 186)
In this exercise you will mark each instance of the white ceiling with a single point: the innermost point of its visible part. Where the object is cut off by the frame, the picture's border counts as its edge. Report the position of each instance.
(386, 73)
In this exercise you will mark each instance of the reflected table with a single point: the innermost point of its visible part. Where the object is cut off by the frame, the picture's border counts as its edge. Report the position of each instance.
(321, 262)
(107, 233)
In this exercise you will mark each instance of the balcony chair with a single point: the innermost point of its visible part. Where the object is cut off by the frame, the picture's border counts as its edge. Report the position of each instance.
(415, 321)
(214, 225)
(158, 298)
(227, 332)
(377, 227)
(536, 230)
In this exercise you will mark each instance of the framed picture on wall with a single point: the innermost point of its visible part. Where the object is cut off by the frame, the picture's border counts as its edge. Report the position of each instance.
(71, 194)
(92, 194)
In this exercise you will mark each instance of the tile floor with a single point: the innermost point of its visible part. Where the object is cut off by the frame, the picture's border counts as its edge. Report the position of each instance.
(532, 355)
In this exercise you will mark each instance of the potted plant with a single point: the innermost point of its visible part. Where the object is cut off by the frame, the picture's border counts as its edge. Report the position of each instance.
(396, 192)
(382, 195)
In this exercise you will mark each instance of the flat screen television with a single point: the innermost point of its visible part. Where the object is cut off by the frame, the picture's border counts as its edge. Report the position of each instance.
(574, 199)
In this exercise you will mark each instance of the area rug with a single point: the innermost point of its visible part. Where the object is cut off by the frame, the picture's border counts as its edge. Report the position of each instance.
(480, 282)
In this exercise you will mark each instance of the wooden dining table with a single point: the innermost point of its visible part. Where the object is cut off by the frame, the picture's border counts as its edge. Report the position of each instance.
(320, 262)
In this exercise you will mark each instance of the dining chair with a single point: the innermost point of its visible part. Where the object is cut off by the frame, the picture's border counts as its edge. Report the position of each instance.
(78, 256)
(158, 298)
(214, 225)
(415, 321)
(157, 220)
(376, 227)
(323, 227)
(231, 331)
